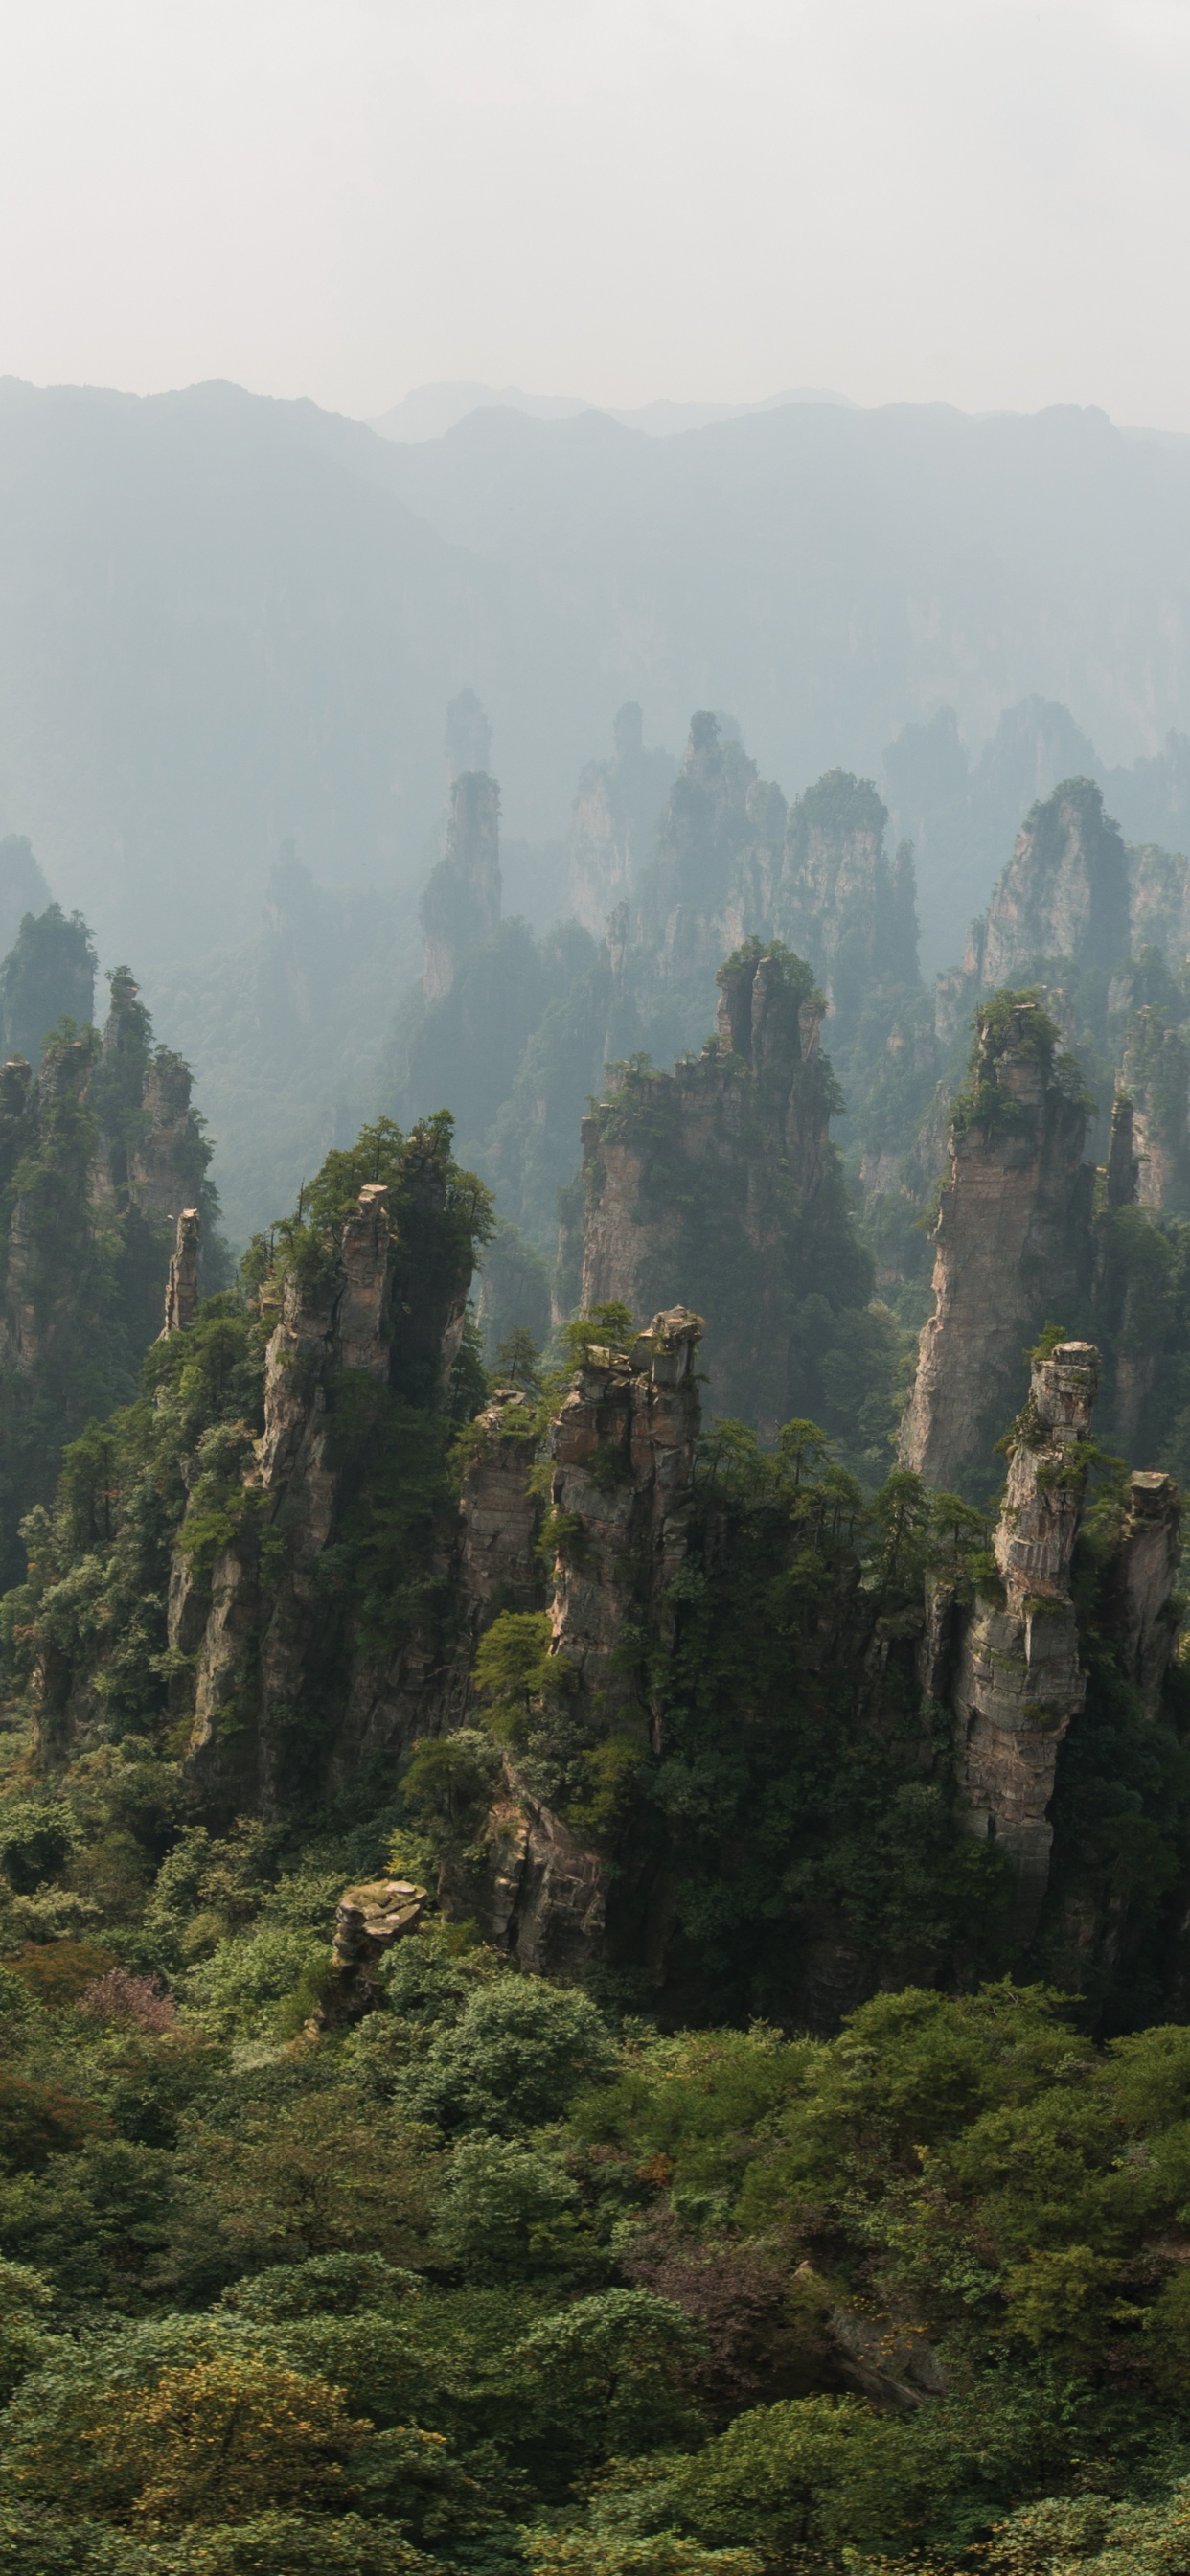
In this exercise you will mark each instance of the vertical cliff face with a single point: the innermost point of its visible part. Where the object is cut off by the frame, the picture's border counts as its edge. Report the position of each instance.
(614, 826)
(16, 1079)
(1155, 1076)
(707, 1179)
(1063, 894)
(1122, 1293)
(622, 1457)
(49, 1254)
(96, 1150)
(1159, 902)
(264, 1642)
(704, 828)
(839, 901)
(1019, 1680)
(1012, 1241)
(168, 1157)
(461, 904)
(1147, 1563)
(181, 1287)
(623, 1453)
(500, 1513)
(310, 1640)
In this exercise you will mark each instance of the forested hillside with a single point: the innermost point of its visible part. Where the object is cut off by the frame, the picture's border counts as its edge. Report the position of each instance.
(594, 1803)
(584, 1990)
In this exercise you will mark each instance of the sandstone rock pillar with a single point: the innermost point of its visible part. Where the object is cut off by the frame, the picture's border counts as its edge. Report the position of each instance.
(1148, 1562)
(1019, 1681)
(1012, 1242)
(623, 1453)
(623, 1450)
(181, 1287)
(461, 904)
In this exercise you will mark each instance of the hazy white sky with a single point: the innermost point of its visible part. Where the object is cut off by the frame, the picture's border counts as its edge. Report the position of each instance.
(977, 200)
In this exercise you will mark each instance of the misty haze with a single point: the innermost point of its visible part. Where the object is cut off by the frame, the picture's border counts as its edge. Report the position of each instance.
(594, 1290)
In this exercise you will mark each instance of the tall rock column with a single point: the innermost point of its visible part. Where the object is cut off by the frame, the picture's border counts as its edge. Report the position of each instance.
(1147, 1564)
(1156, 1078)
(1064, 893)
(461, 904)
(1018, 1679)
(623, 1459)
(617, 812)
(839, 902)
(500, 1511)
(708, 1180)
(264, 1649)
(623, 1451)
(49, 1249)
(181, 1287)
(1013, 1241)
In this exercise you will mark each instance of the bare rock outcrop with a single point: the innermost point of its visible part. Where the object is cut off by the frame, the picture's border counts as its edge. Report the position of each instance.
(1012, 1241)
(548, 1892)
(1019, 1680)
(181, 1287)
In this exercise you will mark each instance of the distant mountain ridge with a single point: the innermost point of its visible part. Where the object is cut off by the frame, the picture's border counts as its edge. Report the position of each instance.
(429, 411)
(228, 622)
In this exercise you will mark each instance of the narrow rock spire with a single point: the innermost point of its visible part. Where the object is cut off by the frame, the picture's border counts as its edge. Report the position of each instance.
(181, 1287)
(1012, 1243)
(1019, 1680)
